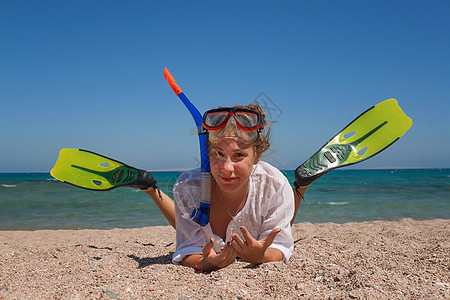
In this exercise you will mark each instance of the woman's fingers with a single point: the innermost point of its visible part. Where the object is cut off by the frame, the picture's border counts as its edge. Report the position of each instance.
(214, 260)
(237, 243)
(250, 249)
(247, 236)
(228, 255)
(237, 240)
(206, 250)
(269, 239)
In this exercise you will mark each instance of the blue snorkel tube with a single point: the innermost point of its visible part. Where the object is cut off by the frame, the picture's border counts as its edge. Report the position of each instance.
(200, 214)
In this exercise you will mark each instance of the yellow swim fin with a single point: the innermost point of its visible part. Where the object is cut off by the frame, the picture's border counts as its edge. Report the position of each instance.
(370, 133)
(92, 171)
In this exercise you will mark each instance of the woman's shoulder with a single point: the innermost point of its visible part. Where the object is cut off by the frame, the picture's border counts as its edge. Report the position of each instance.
(270, 184)
(191, 177)
(265, 170)
(263, 167)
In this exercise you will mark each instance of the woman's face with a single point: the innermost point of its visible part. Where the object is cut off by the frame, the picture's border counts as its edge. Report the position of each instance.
(231, 164)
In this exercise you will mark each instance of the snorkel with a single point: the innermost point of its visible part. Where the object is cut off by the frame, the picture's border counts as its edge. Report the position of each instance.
(199, 214)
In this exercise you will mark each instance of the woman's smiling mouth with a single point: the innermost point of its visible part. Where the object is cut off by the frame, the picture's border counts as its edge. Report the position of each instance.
(228, 179)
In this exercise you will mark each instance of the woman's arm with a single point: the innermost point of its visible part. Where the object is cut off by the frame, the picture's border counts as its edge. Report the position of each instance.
(272, 254)
(164, 203)
(298, 197)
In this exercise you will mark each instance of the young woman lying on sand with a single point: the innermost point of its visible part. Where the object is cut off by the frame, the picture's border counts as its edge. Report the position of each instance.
(252, 203)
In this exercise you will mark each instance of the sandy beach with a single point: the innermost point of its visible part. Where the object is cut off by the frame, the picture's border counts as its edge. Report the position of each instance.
(371, 260)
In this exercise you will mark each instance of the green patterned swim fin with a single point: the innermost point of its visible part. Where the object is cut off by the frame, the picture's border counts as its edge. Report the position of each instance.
(92, 171)
(370, 133)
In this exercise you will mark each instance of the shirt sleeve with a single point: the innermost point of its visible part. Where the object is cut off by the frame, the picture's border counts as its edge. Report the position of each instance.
(279, 215)
(190, 236)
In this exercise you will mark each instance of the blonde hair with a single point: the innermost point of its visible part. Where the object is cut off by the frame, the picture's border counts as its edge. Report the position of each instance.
(262, 143)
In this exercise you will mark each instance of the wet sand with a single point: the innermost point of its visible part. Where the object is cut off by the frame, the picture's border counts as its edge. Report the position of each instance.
(370, 260)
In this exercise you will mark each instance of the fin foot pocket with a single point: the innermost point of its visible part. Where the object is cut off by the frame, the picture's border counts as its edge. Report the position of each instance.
(322, 162)
(124, 175)
(143, 181)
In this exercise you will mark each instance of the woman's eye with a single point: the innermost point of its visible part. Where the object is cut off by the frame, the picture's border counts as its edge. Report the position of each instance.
(239, 155)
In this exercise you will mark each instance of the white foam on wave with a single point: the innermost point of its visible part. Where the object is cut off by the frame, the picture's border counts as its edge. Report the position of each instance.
(9, 185)
(338, 203)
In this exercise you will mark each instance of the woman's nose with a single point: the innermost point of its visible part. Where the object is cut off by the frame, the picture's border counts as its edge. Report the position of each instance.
(228, 165)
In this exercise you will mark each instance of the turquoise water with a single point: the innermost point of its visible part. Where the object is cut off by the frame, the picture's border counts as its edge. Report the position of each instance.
(30, 201)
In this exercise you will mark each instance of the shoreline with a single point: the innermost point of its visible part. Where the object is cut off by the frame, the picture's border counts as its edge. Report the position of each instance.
(374, 259)
(26, 229)
(187, 169)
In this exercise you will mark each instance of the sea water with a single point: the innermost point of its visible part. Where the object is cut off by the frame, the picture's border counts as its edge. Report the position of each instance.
(31, 201)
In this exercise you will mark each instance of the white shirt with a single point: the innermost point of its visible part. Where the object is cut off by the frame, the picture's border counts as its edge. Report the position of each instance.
(269, 205)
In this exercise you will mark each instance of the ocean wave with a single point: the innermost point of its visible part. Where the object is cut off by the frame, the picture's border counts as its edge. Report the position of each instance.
(338, 203)
(9, 185)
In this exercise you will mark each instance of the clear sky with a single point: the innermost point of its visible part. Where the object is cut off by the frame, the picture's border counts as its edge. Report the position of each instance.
(89, 74)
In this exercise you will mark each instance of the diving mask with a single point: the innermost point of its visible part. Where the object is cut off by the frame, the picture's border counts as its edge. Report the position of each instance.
(230, 122)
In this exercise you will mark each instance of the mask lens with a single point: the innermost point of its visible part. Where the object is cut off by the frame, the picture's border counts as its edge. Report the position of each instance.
(232, 131)
(247, 119)
(215, 119)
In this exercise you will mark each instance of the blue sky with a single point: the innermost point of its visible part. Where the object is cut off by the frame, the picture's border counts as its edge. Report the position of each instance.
(89, 74)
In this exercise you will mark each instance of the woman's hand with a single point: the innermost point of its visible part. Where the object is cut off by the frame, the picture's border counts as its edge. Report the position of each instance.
(212, 261)
(253, 251)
